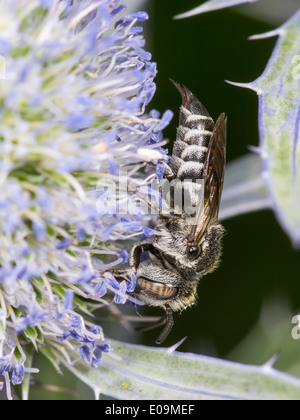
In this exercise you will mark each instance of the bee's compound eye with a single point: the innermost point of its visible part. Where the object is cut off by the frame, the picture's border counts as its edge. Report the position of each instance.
(194, 251)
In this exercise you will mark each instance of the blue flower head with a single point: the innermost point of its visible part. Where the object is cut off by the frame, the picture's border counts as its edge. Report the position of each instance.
(73, 103)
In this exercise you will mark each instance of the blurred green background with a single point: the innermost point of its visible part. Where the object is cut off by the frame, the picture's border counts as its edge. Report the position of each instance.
(245, 308)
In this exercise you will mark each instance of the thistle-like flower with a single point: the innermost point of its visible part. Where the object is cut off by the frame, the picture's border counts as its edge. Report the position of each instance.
(72, 102)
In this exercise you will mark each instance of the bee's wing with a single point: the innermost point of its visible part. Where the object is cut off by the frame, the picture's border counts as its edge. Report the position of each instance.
(214, 168)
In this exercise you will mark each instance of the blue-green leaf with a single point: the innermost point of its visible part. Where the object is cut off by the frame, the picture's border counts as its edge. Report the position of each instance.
(211, 5)
(279, 125)
(139, 372)
(244, 189)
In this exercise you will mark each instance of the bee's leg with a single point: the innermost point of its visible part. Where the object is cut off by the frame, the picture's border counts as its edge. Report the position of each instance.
(166, 319)
(134, 261)
(169, 325)
(169, 174)
(154, 206)
(145, 200)
(121, 274)
(136, 253)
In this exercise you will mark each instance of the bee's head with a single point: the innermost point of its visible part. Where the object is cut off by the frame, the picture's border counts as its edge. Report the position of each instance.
(205, 256)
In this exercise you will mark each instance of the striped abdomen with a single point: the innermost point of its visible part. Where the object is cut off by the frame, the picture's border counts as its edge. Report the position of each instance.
(193, 138)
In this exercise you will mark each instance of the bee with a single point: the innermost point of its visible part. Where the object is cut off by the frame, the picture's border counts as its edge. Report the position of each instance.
(180, 252)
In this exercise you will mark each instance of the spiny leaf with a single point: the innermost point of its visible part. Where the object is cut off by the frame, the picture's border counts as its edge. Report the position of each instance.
(139, 372)
(211, 5)
(279, 125)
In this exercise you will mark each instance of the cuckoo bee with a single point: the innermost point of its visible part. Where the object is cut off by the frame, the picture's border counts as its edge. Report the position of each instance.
(180, 252)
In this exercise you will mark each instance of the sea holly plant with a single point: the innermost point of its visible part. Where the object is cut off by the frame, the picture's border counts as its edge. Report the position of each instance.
(211, 5)
(75, 83)
(279, 125)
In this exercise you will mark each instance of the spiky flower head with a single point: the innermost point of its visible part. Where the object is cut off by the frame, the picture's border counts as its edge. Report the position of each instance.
(76, 81)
